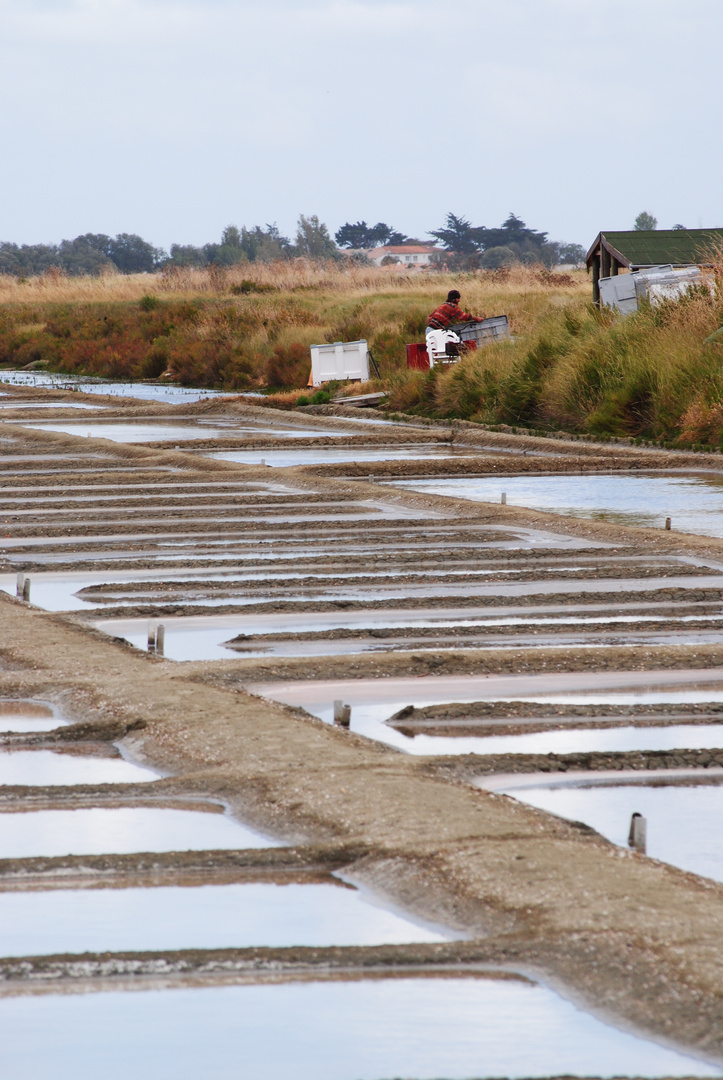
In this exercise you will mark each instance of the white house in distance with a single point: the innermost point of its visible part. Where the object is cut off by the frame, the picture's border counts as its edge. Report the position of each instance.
(404, 254)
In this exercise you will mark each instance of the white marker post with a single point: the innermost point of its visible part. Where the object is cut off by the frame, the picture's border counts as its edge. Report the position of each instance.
(342, 713)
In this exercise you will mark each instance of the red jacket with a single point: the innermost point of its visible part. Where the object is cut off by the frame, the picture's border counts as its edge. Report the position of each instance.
(448, 313)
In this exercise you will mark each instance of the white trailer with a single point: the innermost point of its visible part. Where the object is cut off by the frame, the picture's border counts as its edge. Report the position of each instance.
(342, 361)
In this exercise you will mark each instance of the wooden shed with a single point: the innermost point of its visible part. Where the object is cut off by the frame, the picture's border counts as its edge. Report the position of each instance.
(616, 251)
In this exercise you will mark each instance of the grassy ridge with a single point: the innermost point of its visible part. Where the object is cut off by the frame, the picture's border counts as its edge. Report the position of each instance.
(222, 330)
(651, 375)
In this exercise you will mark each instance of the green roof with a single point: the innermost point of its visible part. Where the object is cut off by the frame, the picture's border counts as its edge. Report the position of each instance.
(653, 247)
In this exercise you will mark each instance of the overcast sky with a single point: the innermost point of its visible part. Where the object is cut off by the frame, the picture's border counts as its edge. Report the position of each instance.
(173, 118)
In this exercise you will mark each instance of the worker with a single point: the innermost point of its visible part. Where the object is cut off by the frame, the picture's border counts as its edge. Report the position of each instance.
(450, 312)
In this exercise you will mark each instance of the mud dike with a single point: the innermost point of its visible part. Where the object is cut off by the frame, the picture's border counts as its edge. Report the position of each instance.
(444, 887)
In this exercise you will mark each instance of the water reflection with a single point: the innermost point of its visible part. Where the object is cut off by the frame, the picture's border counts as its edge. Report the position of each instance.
(27, 716)
(146, 391)
(158, 431)
(120, 831)
(45, 767)
(329, 455)
(370, 1029)
(374, 701)
(683, 822)
(694, 501)
(197, 917)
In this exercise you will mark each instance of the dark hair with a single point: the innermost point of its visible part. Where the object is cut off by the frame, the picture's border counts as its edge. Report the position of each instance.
(452, 295)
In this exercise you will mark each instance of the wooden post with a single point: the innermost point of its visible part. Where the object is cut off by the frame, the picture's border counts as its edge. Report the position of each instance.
(19, 582)
(596, 279)
(151, 637)
(605, 262)
(503, 498)
(668, 524)
(160, 638)
(26, 590)
(342, 713)
(637, 837)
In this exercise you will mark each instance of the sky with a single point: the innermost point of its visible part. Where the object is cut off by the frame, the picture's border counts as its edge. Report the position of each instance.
(174, 118)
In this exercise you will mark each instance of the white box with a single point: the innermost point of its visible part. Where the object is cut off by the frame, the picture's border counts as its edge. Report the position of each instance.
(656, 283)
(619, 292)
(344, 360)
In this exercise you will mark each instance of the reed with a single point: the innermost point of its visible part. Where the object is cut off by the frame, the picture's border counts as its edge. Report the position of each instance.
(651, 375)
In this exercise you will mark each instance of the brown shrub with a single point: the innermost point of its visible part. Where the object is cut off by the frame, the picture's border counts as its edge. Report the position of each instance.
(289, 366)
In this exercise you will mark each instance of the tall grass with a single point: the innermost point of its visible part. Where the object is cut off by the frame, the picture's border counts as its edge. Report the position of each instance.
(285, 276)
(651, 375)
(243, 328)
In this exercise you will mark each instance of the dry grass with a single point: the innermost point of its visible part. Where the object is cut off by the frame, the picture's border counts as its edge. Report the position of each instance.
(651, 375)
(292, 276)
(251, 326)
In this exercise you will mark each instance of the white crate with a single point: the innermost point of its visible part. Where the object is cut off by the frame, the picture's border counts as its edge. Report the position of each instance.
(619, 292)
(342, 361)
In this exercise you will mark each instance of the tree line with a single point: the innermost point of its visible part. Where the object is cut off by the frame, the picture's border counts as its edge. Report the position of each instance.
(462, 246)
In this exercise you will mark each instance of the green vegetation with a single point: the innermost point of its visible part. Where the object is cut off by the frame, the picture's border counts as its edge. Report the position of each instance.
(127, 253)
(645, 222)
(650, 376)
(654, 376)
(215, 328)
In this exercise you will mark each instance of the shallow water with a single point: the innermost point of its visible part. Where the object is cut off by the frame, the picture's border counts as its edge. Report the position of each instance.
(604, 740)
(120, 831)
(683, 822)
(18, 403)
(158, 431)
(60, 592)
(284, 459)
(374, 702)
(27, 716)
(694, 502)
(145, 391)
(200, 917)
(356, 1030)
(45, 767)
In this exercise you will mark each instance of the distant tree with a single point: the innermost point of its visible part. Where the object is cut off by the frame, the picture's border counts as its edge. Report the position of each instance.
(354, 236)
(264, 245)
(363, 236)
(457, 236)
(391, 238)
(246, 245)
(229, 252)
(188, 255)
(231, 237)
(526, 245)
(91, 253)
(134, 255)
(313, 240)
(645, 222)
(86, 254)
(27, 259)
(511, 231)
(495, 258)
(571, 253)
